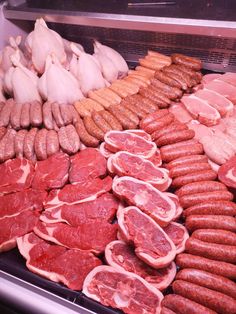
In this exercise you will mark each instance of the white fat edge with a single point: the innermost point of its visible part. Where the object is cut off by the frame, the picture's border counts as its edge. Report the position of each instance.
(120, 218)
(167, 279)
(24, 246)
(8, 245)
(160, 262)
(26, 171)
(15, 214)
(230, 175)
(181, 247)
(117, 298)
(230, 105)
(108, 254)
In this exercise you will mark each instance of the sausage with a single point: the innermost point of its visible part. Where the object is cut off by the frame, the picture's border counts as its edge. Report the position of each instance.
(120, 91)
(176, 76)
(15, 116)
(170, 91)
(152, 96)
(121, 117)
(182, 305)
(159, 124)
(129, 114)
(200, 187)
(56, 113)
(3, 131)
(212, 208)
(19, 143)
(55, 127)
(152, 117)
(7, 145)
(101, 122)
(194, 177)
(74, 114)
(166, 79)
(136, 80)
(217, 252)
(215, 300)
(2, 104)
(171, 128)
(208, 280)
(52, 142)
(40, 144)
(165, 310)
(93, 129)
(193, 199)
(29, 152)
(215, 236)
(47, 115)
(145, 71)
(66, 114)
(187, 169)
(115, 124)
(149, 64)
(195, 222)
(94, 102)
(197, 76)
(69, 139)
(187, 160)
(184, 76)
(6, 112)
(224, 269)
(85, 137)
(36, 114)
(160, 94)
(190, 62)
(175, 137)
(134, 108)
(147, 105)
(25, 115)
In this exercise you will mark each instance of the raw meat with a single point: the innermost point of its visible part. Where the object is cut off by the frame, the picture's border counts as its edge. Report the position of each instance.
(140, 133)
(13, 204)
(86, 165)
(178, 234)
(178, 208)
(16, 226)
(56, 262)
(227, 173)
(104, 151)
(156, 159)
(102, 208)
(207, 78)
(143, 195)
(17, 174)
(92, 236)
(200, 129)
(122, 290)
(51, 173)
(152, 244)
(180, 113)
(223, 88)
(126, 164)
(122, 257)
(229, 78)
(130, 142)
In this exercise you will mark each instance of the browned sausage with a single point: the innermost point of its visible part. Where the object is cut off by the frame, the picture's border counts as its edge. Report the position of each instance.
(195, 222)
(165, 310)
(7, 145)
(171, 128)
(66, 113)
(194, 177)
(129, 114)
(208, 280)
(69, 139)
(52, 142)
(19, 142)
(15, 116)
(170, 91)
(200, 187)
(166, 79)
(36, 115)
(40, 144)
(195, 75)
(212, 208)
(147, 105)
(29, 152)
(160, 123)
(177, 77)
(182, 305)
(165, 100)
(25, 115)
(56, 113)
(190, 62)
(152, 117)
(93, 129)
(111, 120)
(135, 109)
(6, 112)
(121, 117)
(215, 236)
(187, 160)
(184, 76)
(85, 137)
(47, 115)
(3, 131)
(152, 96)
(175, 137)
(101, 122)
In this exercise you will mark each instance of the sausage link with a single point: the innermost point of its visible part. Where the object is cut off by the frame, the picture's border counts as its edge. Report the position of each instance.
(111, 120)
(134, 109)
(159, 94)
(129, 114)
(200, 187)
(101, 122)
(19, 143)
(215, 236)
(147, 105)
(3, 131)
(40, 144)
(25, 116)
(153, 117)
(36, 114)
(182, 305)
(56, 113)
(152, 96)
(85, 137)
(187, 160)
(176, 77)
(6, 112)
(195, 222)
(47, 115)
(184, 76)
(160, 123)
(182, 170)
(170, 91)
(52, 142)
(2, 104)
(29, 152)
(7, 146)
(66, 113)
(121, 117)
(190, 62)
(175, 137)
(194, 177)
(197, 76)
(69, 139)
(171, 128)
(15, 116)
(74, 114)
(165, 310)
(93, 129)
(212, 208)
(55, 126)
(166, 79)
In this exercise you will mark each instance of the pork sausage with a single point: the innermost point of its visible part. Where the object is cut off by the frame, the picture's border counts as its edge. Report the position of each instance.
(36, 114)
(132, 107)
(170, 91)
(159, 124)
(47, 115)
(52, 142)
(187, 61)
(8, 142)
(215, 236)
(93, 129)
(74, 114)
(19, 143)
(129, 114)
(184, 76)
(66, 113)
(147, 105)
(121, 117)
(85, 137)
(186, 160)
(69, 139)
(200, 187)
(197, 76)
(15, 116)
(25, 116)
(111, 120)
(3, 131)
(157, 92)
(224, 269)
(212, 208)
(165, 78)
(152, 96)
(171, 128)
(215, 300)
(29, 152)
(56, 113)
(175, 137)
(101, 122)
(182, 170)
(194, 177)
(165, 310)
(40, 144)
(176, 77)
(6, 112)
(195, 222)
(152, 117)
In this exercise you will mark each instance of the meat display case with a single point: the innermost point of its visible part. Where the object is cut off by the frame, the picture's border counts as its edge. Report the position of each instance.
(205, 29)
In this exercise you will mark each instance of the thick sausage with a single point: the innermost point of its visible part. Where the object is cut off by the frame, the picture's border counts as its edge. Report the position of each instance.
(184, 76)
(74, 114)
(187, 160)
(7, 145)
(176, 77)
(6, 112)
(19, 143)
(160, 123)
(193, 199)
(217, 252)
(132, 107)
(25, 116)
(175, 137)
(224, 269)
(194, 177)
(215, 236)
(171, 128)
(215, 300)
(181, 305)
(36, 114)
(47, 115)
(93, 129)
(121, 117)
(197, 76)
(147, 105)
(152, 117)
(195, 222)
(110, 119)
(69, 139)
(159, 94)
(85, 137)
(52, 142)
(40, 144)
(208, 280)
(101, 122)
(190, 62)
(165, 310)
(66, 113)
(56, 113)
(15, 116)
(170, 91)
(3, 131)
(55, 126)
(152, 96)
(129, 114)
(2, 104)
(29, 152)
(200, 187)
(166, 79)
(187, 169)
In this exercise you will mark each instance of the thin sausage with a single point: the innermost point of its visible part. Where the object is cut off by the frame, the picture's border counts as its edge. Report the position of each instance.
(15, 116)
(171, 128)
(69, 139)
(3, 131)
(176, 77)
(52, 142)
(187, 160)
(101, 122)
(200, 187)
(152, 117)
(165, 310)
(56, 113)
(66, 113)
(6, 112)
(115, 124)
(29, 152)
(195, 222)
(187, 169)
(121, 117)
(129, 114)
(197, 76)
(165, 78)
(9, 149)
(212, 208)
(132, 107)
(74, 114)
(184, 76)
(175, 137)
(40, 144)
(160, 123)
(215, 236)
(47, 115)
(147, 105)
(171, 91)
(85, 137)
(187, 61)
(159, 94)
(25, 115)
(19, 143)
(194, 177)
(36, 114)
(93, 129)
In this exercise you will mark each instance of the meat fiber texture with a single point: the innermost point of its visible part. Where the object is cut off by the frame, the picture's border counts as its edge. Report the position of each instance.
(227, 173)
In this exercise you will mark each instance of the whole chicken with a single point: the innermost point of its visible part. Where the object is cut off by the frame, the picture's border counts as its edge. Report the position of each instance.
(87, 70)
(42, 42)
(69, 52)
(2, 97)
(109, 70)
(58, 84)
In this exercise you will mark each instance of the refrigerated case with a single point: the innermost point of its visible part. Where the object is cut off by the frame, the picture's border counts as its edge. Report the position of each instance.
(203, 29)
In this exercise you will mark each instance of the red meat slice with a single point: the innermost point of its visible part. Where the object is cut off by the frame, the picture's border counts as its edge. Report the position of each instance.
(92, 236)
(178, 234)
(143, 195)
(130, 142)
(140, 133)
(56, 262)
(126, 164)
(178, 208)
(102, 208)
(16, 226)
(152, 244)
(227, 173)
(51, 173)
(16, 175)
(156, 159)
(122, 290)
(12, 204)
(229, 78)
(122, 257)
(86, 165)
(223, 88)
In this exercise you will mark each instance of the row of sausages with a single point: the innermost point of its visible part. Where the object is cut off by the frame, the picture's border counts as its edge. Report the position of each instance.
(205, 283)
